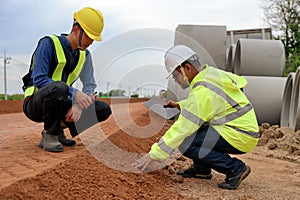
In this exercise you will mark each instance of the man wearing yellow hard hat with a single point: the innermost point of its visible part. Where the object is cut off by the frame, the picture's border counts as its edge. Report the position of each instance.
(57, 62)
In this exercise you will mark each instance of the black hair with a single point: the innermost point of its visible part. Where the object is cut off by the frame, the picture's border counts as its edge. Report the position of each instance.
(195, 63)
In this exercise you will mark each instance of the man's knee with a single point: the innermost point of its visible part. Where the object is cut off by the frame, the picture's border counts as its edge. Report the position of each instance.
(56, 91)
(61, 90)
(103, 110)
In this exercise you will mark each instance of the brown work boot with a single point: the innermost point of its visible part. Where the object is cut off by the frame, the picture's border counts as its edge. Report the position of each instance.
(64, 140)
(50, 142)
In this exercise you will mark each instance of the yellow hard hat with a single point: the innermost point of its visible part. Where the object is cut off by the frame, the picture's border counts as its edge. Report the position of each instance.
(91, 21)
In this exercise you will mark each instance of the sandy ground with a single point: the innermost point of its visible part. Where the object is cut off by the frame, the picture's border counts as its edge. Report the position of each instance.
(99, 166)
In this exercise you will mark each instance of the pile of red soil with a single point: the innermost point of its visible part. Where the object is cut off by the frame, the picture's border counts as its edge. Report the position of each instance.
(281, 142)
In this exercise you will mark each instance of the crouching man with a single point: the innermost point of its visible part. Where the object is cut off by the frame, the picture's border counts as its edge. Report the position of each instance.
(216, 120)
(56, 64)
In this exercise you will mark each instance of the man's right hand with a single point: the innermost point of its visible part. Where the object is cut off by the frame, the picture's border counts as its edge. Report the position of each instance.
(83, 100)
(74, 113)
(171, 104)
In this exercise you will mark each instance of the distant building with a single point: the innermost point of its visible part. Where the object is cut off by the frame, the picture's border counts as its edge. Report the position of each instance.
(261, 33)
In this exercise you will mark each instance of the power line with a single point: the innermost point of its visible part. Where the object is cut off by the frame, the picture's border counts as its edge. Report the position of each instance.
(19, 63)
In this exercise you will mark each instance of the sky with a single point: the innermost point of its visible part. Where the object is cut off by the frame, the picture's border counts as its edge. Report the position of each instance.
(135, 36)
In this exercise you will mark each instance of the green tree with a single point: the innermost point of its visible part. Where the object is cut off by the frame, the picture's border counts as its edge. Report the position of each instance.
(293, 61)
(134, 96)
(117, 93)
(284, 17)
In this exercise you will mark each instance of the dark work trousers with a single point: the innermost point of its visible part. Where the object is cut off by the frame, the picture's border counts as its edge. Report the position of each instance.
(209, 150)
(50, 105)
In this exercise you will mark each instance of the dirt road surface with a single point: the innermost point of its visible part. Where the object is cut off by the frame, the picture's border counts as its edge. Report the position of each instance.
(98, 167)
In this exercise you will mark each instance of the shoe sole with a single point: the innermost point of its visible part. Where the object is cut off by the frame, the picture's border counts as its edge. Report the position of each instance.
(53, 150)
(246, 173)
(41, 143)
(196, 176)
(68, 144)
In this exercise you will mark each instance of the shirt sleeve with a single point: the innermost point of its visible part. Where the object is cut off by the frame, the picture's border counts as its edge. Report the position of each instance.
(42, 62)
(87, 75)
(187, 123)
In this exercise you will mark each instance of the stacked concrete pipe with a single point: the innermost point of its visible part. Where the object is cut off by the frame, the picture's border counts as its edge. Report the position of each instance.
(287, 108)
(261, 62)
(265, 93)
(210, 44)
(254, 57)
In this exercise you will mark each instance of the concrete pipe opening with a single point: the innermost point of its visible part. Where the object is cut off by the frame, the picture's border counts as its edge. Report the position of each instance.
(294, 116)
(230, 58)
(287, 100)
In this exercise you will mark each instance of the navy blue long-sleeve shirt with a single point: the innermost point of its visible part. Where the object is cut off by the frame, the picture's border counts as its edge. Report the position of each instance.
(42, 63)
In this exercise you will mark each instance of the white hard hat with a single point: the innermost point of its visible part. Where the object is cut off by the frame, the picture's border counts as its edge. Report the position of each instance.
(175, 56)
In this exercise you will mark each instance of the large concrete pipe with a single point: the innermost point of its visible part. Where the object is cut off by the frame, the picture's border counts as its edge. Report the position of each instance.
(174, 91)
(212, 38)
(266, 94)
(254, 57)
(294, 116)
(287, 100)
(230, 58)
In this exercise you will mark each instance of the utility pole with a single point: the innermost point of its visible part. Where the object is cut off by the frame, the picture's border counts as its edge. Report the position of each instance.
(107, 88)
(119, 90)
(129, 95)
(6, 61)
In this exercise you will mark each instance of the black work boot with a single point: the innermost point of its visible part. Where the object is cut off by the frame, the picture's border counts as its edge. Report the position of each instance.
(193, 173)
(64, 140)
(50, 142)
(233, 182)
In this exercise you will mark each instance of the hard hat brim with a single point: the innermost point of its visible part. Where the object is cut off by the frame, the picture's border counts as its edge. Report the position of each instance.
(96, 38)
(170, 74)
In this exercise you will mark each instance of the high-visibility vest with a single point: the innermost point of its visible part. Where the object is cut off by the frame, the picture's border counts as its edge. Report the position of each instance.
(215, 99)
(61, 63)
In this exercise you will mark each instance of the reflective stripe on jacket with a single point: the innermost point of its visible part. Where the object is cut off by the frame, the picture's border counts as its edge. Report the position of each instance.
(61, 62)
(215, 99)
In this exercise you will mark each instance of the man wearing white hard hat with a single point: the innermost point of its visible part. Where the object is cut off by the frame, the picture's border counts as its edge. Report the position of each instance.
(216, 120)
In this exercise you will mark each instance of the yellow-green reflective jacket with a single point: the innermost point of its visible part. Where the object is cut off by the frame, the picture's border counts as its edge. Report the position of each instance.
(56, 71)
(215, 99)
